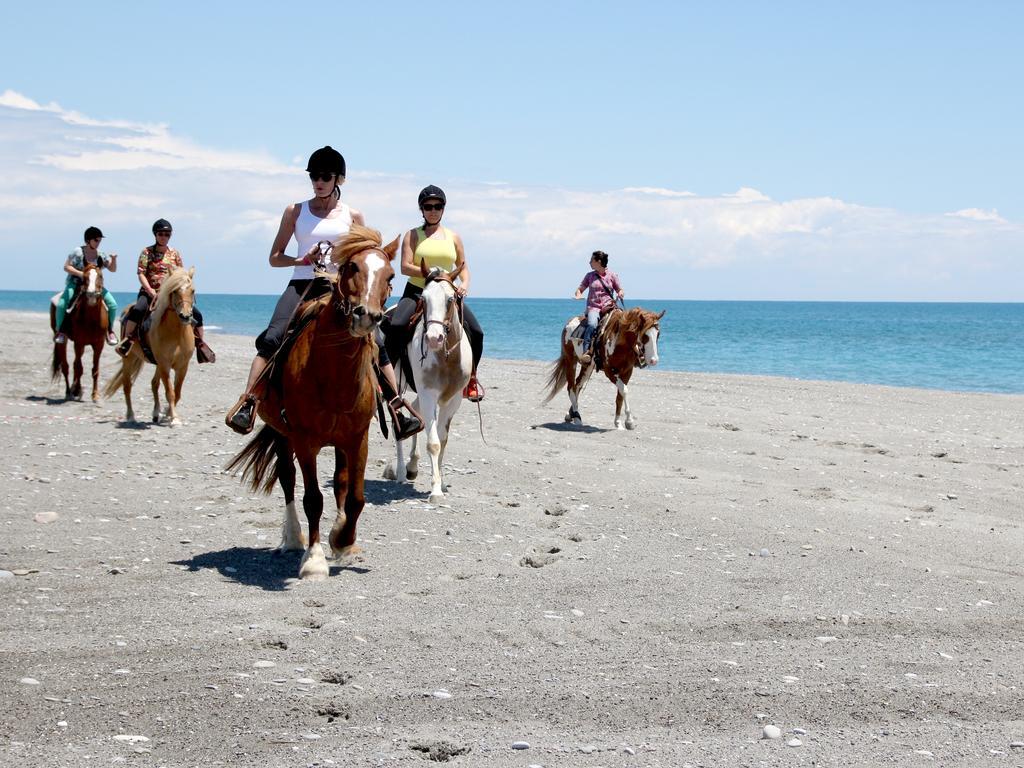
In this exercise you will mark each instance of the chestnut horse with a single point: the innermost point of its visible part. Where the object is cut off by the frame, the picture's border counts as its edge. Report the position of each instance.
(86, 327)
(172, 341)
(625, 340)
(325, 393)
(441, 362)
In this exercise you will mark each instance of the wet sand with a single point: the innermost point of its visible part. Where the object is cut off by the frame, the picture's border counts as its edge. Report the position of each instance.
(840, 561)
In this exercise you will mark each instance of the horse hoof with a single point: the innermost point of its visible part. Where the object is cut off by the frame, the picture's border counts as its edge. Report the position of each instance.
(436, 498)
(631, 425)
(577, 421)
(314, 565)
(411, 474)
(389, 472)
(568, 418)
(346, 553)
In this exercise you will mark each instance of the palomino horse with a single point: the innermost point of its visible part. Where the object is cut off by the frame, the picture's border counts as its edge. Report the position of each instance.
(441, 362)
(627, 339)
(86, 327)
(172, 341)
(324, 393)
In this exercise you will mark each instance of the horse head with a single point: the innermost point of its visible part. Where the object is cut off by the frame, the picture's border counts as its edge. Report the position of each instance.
(364, 277)
(92, 283)
(647, 338)
(439, 308)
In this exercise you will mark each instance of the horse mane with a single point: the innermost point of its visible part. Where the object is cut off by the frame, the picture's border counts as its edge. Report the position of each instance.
(358, 239)
(178, 278)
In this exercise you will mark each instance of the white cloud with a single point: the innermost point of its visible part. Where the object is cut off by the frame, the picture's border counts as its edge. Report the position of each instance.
(62, 171)
(977, 214)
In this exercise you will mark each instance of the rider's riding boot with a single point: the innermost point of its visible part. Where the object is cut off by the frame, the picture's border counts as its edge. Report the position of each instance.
(111, 338)
(203, 352)
(588, 342)
(405, 426)
(242, 415)
(473, 391)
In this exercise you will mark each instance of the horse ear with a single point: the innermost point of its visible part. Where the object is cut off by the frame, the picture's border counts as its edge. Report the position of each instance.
(191, 273)
(391, 249)
(661, 314)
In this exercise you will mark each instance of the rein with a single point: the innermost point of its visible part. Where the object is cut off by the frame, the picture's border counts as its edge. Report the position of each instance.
(453, 318)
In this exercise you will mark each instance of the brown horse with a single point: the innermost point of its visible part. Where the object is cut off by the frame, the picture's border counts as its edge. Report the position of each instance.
(86, 326)
(171, 338)
(625, 340)
(324, 393)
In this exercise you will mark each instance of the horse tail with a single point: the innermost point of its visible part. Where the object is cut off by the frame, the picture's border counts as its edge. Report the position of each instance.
(130, 367)
(258, 460)
(558, 379)
(55, 371)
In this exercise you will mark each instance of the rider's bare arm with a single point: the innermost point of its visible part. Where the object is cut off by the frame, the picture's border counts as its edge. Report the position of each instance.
(461, 269)
(409, 243)
(278, 258)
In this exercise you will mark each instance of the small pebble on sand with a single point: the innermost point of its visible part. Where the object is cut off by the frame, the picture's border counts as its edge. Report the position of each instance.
(28, 681)
(520, 745)
(771, 732)
(794, 742)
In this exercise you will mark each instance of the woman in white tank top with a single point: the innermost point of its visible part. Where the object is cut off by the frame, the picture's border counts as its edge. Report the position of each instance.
(321, 218)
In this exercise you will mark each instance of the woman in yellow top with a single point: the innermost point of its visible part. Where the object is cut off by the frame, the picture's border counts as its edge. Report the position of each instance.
(439, 247)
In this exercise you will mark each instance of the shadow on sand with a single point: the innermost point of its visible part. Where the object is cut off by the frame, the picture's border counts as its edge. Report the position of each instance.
(266, 569)
(568, 426)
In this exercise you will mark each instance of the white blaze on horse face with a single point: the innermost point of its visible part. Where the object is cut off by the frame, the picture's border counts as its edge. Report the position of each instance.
(435, 296)
(91, 286)
(374, 265)
(651, 346)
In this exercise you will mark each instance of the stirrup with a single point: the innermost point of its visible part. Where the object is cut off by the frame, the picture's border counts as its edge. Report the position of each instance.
(60, 338)
(242, 415)
(124, 347)
(404, 426)
(473, 391)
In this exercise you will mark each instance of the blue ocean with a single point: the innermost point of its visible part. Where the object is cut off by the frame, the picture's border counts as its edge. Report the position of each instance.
(968, 346)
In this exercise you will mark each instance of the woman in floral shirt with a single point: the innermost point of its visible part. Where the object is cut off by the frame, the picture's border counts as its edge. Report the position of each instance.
(155, 263)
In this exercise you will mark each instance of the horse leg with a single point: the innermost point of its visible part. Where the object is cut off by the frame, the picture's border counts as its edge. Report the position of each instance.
(571, 386)
(431, 413)
(621, 400)
(97, 350)
(314, 564)
(172, 403)
(412, 468)
(444, 422)
(292, 537)
(62, 352)
(127, 387)
(79, 369)
(155, 386)
(350, 466)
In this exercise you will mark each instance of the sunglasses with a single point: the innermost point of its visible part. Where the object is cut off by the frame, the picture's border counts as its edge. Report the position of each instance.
(321, 176)
(433, 206)
(163, 234)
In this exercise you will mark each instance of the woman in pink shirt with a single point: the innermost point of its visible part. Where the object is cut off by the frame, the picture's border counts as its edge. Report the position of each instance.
(603, 285)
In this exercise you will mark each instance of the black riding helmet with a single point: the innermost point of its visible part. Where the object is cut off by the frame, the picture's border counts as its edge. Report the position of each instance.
(431, 192)
(162, 225)
(327, 159)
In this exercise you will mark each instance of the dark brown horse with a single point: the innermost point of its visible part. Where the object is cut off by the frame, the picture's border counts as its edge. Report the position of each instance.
(627, 339)
(86, 326)
(325, 394)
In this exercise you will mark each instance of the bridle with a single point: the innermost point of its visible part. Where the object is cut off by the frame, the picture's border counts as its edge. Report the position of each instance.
(640, 349)
(177, 301)
(451, 318)
(342, 303)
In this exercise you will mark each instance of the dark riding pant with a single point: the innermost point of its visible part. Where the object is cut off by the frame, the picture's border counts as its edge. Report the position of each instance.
(140, 309)
(397, 332)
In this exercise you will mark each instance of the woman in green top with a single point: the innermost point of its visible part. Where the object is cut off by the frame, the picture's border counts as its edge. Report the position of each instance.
(74, 265)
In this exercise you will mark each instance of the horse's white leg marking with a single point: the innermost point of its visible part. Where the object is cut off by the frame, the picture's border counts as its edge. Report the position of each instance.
(651, 347)
(623, 391)
(446, 412)
(314, 564)
(292, 537)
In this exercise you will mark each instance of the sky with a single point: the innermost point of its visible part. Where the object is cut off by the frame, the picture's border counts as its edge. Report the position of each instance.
(735, 150)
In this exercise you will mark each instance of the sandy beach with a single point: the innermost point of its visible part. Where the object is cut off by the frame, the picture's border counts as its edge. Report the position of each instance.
(842, 562)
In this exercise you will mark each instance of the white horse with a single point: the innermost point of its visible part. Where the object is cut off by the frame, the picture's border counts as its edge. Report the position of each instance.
(441, 362)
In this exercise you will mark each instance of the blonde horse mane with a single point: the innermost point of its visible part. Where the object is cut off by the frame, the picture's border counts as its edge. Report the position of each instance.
(175, 281)
(358, 239)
